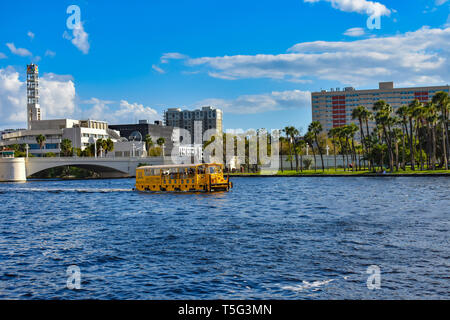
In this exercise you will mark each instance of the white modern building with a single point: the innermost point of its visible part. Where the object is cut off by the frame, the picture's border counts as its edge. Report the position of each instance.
(80, 132)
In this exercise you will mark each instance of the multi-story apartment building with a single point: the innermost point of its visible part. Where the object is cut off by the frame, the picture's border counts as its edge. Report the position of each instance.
(334, 108)
(195, 122)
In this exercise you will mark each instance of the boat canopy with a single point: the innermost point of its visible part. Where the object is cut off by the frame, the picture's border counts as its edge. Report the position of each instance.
(169, 166)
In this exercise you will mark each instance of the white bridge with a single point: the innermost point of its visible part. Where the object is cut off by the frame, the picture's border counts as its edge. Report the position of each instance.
(18, 169)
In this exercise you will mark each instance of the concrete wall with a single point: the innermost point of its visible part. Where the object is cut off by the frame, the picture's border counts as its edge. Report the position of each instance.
(328, 161)
(12, 170)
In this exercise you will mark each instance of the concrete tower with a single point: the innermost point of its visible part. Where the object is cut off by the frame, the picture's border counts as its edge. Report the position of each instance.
(33, 108)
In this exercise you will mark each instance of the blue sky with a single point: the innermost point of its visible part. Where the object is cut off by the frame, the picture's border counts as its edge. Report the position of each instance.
(257, 60)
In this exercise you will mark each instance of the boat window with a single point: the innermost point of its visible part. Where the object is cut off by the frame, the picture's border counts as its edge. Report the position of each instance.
(215, 169)
(156, 172)
(185, 172)
(190, 172)
(201, 170)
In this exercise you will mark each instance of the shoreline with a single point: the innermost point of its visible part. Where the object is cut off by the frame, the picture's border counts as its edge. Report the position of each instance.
(374, 175)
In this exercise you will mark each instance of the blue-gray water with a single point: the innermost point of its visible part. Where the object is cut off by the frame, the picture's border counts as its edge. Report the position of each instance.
(279, 238)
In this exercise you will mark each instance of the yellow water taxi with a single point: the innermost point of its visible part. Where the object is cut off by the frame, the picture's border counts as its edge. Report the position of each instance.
(206, 177)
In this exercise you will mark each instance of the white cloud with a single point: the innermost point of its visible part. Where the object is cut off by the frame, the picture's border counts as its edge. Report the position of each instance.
(18, 51)
(354, 32)
(258, 103)
(125, 112)
(79, 38)
(30, 34)
(13, 102)
(3, 56)
(370, 8)
(58, 100)
(440, 2)
(419, 57)
(158, 69)
(130, 111)
(49, 53)
(172, 56)
(57, 97)
(99, 109)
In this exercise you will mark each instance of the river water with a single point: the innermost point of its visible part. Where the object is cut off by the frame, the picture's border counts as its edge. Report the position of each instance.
(278, 238)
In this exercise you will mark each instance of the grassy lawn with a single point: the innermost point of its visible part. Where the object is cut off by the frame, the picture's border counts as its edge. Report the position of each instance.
(341, 171)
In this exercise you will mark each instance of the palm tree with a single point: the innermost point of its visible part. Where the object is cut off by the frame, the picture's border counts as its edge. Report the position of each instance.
(442, 101)
(431, 120)
(281, 139)
(411, 107)
(160, 142)
(294, 134)
(148, 142)
(402, 112)
(309, 139)
(351, 131)
(109, 146)
(341, 138)
(361, 113)
(315, 127)
(40, 139)
(397, 135)
(332, 134)
(300, 144)
(289, 133)
(66, 147)
(419, 115)
(101, 146)
(384, 119)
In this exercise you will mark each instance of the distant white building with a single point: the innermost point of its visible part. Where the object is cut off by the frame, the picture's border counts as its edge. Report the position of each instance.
(80, 132)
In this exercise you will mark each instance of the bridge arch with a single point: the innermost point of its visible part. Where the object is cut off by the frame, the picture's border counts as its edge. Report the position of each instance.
(105, 169)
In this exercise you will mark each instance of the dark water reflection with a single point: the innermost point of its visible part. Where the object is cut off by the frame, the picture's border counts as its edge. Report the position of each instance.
(282, 238)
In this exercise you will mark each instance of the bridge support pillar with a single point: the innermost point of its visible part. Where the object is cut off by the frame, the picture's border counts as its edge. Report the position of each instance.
(12, 170)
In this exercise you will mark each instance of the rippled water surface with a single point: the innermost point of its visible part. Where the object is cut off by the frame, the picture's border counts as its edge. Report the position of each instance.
(281, 238)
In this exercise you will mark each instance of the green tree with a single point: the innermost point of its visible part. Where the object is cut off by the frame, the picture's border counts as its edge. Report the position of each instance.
(160, 142)
(66, 147)
(40, 139)
(109, 146)
(315, 128)
(442, 101)
(148, 143)
(402, 112)
(300, 145)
